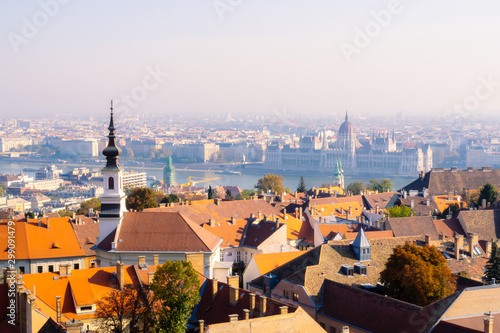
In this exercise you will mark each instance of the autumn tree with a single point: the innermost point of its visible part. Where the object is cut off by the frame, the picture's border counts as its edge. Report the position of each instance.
(127, 309)
(399, 211)
(385, 185)
(245, 194)
(355, 188)
(418, 275)
(301, 188)
(65, 212)
(93, 203)
(270, 182)
(176, 287)
(488, 193)
(492, 269)
(141, 198)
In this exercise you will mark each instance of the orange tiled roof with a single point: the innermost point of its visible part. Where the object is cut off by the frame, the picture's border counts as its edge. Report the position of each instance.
(269, 261)
(340, 209)
(442, 202)
(33, 242)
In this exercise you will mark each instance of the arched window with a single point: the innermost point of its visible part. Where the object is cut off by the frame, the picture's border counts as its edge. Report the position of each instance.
(111, 183)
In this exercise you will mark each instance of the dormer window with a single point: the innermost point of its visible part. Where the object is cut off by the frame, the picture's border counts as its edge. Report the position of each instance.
(111, 183)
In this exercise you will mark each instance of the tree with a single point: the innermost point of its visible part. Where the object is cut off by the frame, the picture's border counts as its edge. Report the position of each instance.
(125, 309)
(93, 203)
(450, 210)
(302, 185)
(492, 269)
(170, 198)
(384, 185)
(418, 275)
(176, 287)
(29, 215)
(374, 185)
(229, 194)
(65, 212)
(141, 198)
(399, 211)
(128, 153)
(1, 191)
(355, 188)
(210, 193)
(488, 193)
(245, 194)
(270, 182)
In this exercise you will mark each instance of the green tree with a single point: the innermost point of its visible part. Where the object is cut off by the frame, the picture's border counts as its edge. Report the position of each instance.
(399, 211)
(141, 198)
(355, 188)
(229, 194)
(210, 193)
(301, 188)
(374, 185)
(450, 210)
(93, 203)
(418, 275)
(270, 182)
(488, 193)
(492, 269)
(30, 215)
(245, 194)
(176, 287)
(65, 212)
(1, 191)
(170, 198)
(384, 185)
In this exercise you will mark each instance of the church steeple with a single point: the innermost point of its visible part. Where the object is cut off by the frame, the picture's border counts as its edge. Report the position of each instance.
(112, 151)
(346, 118)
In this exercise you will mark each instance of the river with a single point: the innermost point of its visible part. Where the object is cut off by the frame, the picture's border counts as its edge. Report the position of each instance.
(245, 181)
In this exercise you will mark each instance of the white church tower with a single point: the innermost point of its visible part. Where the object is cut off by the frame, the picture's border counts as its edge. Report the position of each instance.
(113, 197)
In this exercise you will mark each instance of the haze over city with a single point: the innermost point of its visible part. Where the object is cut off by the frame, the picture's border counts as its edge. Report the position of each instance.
(218, 57)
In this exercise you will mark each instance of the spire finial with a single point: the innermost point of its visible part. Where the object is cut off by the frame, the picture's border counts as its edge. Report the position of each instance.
(346, 115)
(111, 107)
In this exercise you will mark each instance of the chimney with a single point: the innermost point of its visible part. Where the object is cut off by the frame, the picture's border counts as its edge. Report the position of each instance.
(74, 216)
(350, 210)
(295, 194)
(377, 224)
(212, 222)
(120, 275)
(428, 202)
(422, 175)
(405, 194)
(47, 220)
(197, 259)
(459, 243)
(488, 248)
(215, 288)
(217, 201)
(473, 239)
(259, 215)
(377, 209)
(141, 260)
(345, 329)
(450, 196)
(252, 302)
(234, 293)
(277, 224)
(151, 277)
(233, 318)
(58, 309)
(320, 219)
(65, 269)
(316, 192)
(296, 212)
(441, 236)
(201, 322)
(233, 220)
(412, 203)
(247, 314)
(483, 204)
(156, 259)
(300, 212)
(488, 324)
(263, 306)
(39, 221)
(283, 309)
(233, 281)
(427, 239)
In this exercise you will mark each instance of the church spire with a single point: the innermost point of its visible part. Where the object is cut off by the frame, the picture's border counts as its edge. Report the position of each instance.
(346, 118)
(112, 151)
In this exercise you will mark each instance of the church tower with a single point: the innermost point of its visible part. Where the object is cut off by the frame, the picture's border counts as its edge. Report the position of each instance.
(113, 197)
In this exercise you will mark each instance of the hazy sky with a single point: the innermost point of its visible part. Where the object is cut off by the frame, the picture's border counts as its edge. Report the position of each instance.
(310, 57)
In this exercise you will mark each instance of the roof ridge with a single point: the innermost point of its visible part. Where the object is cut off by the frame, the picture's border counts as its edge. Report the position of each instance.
(188, 223)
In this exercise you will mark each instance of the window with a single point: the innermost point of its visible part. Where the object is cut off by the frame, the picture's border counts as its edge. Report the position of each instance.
(86, 308)
(21, 269)
(76, 266)
(295, 297)
(238, 256)
(92, 263)
(40, 269)
(266, 289)
(333, 329)
(286, 295)
(221, 256)
(323, 326)
(51, 268)
(111, 183)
